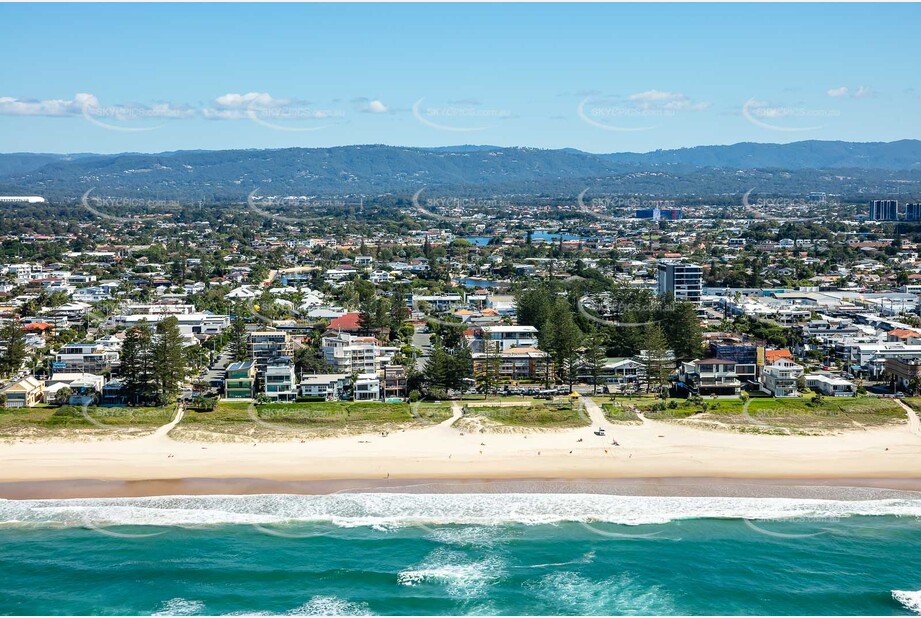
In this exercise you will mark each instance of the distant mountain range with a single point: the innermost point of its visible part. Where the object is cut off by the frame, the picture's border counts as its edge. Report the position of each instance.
(848, 168)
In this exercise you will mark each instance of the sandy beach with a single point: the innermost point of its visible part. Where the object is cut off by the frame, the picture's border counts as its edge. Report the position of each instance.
(653, 449)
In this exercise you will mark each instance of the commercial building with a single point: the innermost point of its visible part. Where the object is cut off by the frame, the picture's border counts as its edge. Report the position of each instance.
(884, 210)
(913, 211)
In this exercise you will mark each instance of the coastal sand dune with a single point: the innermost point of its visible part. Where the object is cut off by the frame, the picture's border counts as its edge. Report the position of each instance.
(652, 449)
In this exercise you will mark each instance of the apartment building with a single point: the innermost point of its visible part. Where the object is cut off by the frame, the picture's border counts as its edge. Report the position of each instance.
(680, 280)
(506, 337)
(23, 393)
(85, 358)
(265, 346)
(348, 353)
(516, 363)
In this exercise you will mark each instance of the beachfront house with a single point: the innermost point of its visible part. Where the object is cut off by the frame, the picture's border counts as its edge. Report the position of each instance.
(280, 382)
(780, 377)
(328, 386)
(24, 393)
(239, 380)
(367, 387)
(831, 386)
(710, 376)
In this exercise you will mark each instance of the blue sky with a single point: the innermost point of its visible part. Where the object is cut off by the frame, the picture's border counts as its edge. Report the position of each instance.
(601, 78)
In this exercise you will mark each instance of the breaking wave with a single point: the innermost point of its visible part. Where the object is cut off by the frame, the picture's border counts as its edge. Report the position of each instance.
(911, 599)
(389, 511)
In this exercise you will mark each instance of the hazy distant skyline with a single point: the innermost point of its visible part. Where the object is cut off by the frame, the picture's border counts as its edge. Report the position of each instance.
(601, 78)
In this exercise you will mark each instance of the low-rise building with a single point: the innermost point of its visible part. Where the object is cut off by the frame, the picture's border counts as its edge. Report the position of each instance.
(710, 376)
(367, 387)
(393, 384)
(780, 378)
(279, 380)
(906, 372)
(831, 386)
(240, 379)
(329, 386)
(24, 393)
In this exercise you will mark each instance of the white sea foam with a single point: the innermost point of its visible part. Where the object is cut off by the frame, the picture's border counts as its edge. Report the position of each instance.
(570, 593)
(330, 606)
(321, 605)
(462, 577)
(388, 511)
(180, 607)
(911, 599)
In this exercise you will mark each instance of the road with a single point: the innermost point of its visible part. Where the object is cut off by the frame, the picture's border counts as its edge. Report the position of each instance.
(423, 341)
(217, 370)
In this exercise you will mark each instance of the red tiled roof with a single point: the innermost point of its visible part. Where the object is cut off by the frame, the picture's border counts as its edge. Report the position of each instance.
(903, 333)
(771, 356)
(349, 321)
(43, 326)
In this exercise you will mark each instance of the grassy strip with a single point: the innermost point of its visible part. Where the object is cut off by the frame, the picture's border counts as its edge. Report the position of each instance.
(794, 414)
(66, 417)
(323, 414)
(620, 414)
(550, 416)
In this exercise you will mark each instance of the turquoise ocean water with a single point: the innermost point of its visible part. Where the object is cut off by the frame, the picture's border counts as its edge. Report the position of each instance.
(381, 553)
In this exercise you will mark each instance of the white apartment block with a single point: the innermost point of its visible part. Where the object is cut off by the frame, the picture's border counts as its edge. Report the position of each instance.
(348, 353)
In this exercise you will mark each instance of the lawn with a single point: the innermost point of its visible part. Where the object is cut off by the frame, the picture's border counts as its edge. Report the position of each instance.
(41, 420)
(782, 416)
(323, 417)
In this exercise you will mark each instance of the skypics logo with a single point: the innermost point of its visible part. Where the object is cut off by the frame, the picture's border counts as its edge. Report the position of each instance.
(640, 111)
(458, 210)
(462, 116)
(818, 203)
(599, 207)
(786, 118)
(291, 115)
(591, 306)
(102, 207)
(295, 118)
(309, 209)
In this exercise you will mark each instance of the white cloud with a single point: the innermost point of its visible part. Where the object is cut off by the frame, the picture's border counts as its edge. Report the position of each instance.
(838, 92)
(671, 101)
(11, 106)
(250, 100)
(862, 92)
(376, 107)
(88, 104)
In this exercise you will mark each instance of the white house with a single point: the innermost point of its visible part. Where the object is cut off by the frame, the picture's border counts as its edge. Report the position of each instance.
(367, 387)
(831, 386)
(329, 386)
(779, 378)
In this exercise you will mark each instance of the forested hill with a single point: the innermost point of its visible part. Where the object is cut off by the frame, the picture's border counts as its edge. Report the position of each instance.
(836, 167)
